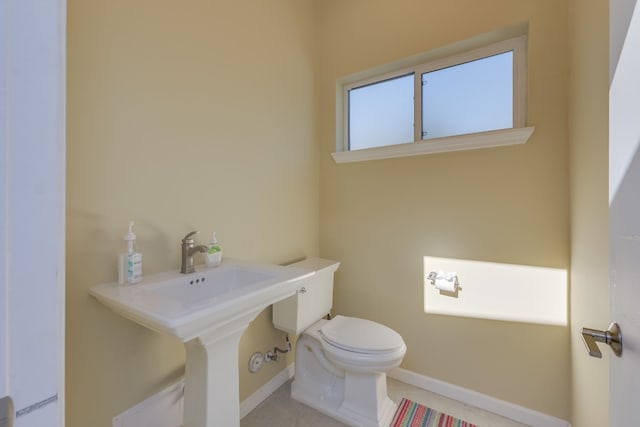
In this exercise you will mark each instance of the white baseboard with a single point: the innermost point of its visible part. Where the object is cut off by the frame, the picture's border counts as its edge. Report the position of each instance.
(165, 408)
(251, 402)
(479, 400)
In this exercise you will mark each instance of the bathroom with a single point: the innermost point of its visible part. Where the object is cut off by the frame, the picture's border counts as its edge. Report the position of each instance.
(212, 115)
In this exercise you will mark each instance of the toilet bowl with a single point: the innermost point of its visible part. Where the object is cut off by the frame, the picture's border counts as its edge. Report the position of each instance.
(344, 377)
(341, 364)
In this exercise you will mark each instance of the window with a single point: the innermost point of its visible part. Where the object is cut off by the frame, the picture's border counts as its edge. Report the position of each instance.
(473, 99)
(476, 96)
(381, 113)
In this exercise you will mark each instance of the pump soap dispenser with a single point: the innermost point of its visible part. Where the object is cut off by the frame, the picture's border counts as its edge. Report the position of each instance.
(130, 262)
(214, 253)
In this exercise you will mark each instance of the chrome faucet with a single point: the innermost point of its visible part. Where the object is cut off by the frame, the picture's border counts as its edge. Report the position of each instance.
(188, 250)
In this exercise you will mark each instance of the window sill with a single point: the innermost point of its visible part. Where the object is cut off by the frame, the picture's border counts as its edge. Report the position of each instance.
(497, 138)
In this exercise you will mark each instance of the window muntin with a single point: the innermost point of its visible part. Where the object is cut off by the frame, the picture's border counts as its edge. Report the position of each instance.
(475, 96)
(515, 50)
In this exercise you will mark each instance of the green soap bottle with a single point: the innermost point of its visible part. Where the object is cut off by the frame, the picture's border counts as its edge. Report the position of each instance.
(214, 253)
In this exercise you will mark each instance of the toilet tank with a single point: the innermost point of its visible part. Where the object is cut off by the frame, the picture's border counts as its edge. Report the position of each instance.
(312, 301)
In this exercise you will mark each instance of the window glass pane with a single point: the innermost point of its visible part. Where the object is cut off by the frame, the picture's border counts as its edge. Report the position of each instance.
(381, 113)
(476, 96)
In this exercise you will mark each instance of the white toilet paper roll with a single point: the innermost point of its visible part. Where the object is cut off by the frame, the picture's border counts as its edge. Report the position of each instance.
(446, 284)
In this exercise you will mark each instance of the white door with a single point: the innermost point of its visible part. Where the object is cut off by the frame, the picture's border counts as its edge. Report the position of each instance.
(4, 48)
(32, 161)
(6, 409)
(624, 209)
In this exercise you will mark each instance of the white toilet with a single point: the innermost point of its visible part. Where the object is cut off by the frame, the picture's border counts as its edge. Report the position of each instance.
(341, 364)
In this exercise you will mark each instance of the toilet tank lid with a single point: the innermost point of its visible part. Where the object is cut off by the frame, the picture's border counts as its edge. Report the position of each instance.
(317, 264)
(352, 333)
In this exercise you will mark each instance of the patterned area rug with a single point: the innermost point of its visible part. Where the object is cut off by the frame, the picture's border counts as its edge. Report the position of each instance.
(412, 414)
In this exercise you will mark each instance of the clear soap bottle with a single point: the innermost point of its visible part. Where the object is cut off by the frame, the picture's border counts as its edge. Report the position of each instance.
(130, 262)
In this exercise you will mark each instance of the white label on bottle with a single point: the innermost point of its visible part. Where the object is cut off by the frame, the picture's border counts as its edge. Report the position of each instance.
(134, 267)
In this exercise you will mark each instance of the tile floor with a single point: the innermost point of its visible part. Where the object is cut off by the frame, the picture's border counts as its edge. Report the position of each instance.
(279, 410)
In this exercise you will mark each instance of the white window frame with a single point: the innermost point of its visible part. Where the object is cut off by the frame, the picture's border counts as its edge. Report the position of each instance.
(417, 66)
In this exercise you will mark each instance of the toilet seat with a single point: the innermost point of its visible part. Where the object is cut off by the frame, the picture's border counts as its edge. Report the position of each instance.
(361, 345)
(360, 336)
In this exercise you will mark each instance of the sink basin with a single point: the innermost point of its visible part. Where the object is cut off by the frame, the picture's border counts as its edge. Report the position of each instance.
(216, 285)
(184, 306)
(208, 311)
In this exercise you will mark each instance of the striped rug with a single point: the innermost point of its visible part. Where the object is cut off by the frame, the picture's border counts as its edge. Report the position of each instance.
(412, 414)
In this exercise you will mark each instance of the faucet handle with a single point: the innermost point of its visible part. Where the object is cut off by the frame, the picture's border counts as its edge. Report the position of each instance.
(188, 239)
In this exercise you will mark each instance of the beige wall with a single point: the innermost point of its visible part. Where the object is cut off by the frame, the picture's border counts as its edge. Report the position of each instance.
(507, 205)
(588, 118)
(203, 116)
(181, 116)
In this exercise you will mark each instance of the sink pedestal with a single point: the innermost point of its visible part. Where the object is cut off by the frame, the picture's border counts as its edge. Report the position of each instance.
(211, 393)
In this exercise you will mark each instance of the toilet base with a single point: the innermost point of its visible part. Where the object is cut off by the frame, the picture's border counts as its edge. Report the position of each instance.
(365, 400)
(359, 400)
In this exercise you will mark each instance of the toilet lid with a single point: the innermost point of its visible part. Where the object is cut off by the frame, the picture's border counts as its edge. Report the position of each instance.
(360, 335)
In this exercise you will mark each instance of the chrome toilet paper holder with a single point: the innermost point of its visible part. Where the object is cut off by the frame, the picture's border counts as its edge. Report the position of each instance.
(432, 277)
(448, 276)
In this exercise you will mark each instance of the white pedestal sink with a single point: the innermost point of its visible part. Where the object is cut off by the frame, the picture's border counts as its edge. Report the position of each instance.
(207, 310)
